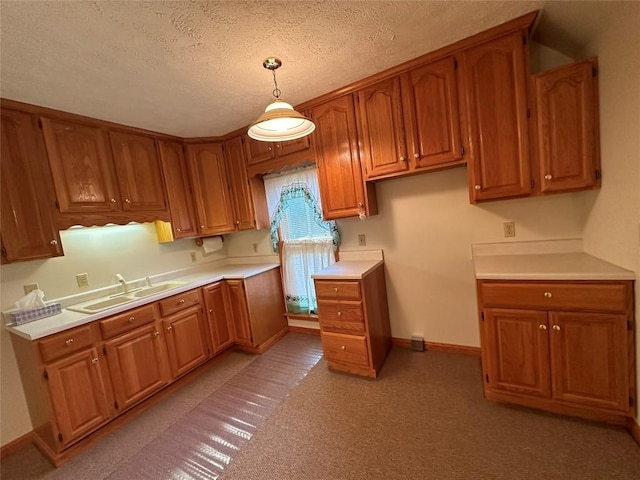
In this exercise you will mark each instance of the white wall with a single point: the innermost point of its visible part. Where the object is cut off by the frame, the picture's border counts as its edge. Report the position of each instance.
(101, 252)
(612, 226)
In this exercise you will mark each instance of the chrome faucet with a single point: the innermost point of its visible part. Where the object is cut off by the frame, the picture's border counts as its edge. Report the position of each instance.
(121, 279)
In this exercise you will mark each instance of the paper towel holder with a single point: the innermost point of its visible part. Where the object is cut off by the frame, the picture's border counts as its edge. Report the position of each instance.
(199, 241)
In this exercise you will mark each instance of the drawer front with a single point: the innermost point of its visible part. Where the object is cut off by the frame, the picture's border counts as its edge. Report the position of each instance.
(342, 348)
(179, 302)
(127, 321)
(603, 297)
(344, 317)
(333, 290)
(67, 342)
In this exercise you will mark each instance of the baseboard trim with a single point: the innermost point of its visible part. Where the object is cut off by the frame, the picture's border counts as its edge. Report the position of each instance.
(16, 445)
(439, 347)
(305, 330)
(634, 429)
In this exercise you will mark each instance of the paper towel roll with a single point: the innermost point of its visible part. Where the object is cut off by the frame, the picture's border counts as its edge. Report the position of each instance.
(211, 244)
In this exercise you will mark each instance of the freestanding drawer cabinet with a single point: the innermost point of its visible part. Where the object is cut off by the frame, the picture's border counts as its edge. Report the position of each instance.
(566, 347)
(354, 322)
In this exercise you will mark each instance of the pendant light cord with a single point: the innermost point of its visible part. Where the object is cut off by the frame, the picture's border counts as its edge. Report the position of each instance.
(276, 91)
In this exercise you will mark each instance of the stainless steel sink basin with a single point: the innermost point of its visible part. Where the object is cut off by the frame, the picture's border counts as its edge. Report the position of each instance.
(145, 292)
(99, 305)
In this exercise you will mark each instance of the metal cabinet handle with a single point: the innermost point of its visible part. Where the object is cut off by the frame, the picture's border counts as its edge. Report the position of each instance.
(343, 347)
(126, 200)
(169, 328)
(181, 301)
(94, 360)
(69, 342)
(113, 200)
(211, 310)
(156, 333)
(53, 242)
(335, 289)
(132, 319)
(548, 294)
(548, 177)
(416, 155)
(556, 327)
(542, 327)
(478, 187)
(339, 314)
(178, 229)
(403, 159)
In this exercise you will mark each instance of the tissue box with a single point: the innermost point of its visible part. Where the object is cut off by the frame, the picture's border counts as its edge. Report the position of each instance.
(26, 316)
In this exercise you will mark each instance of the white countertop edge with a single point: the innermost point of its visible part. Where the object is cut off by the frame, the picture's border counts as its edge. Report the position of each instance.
(50, 325)
(567, 245)
(348, 270)
(556, 276)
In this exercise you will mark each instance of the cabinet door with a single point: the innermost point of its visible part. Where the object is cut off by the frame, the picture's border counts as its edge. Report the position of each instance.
(211, 188)
(176, 180)
(82, 168)
(258, 151)
(239, 312)
(566, 126)
(339, 172)
(186, 340)
(216, 299)
(137, 365)
(494, 76)
(589, 359)
(382, 131)
(240, 191)
(28, 230)
(517, 351)
(293, 146)
(430, 96)
(138, 172)
(78, 396)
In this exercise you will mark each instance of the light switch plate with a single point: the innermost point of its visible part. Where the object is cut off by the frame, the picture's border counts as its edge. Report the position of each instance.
(30, 287)
(82, 279)
(362, 240)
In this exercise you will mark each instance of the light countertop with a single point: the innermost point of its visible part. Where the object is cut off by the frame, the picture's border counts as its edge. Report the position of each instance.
(352, 265)
(557, 260)
(203, 276)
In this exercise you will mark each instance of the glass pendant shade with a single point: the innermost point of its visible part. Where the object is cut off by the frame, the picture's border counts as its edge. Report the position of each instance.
(280, 122)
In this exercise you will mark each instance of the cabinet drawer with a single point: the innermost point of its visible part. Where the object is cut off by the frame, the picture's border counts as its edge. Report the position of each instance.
(345, 317)
(332, 290)
(179, 302)
(604, 297)
(66, 342)
(126, 321)
(345, 348)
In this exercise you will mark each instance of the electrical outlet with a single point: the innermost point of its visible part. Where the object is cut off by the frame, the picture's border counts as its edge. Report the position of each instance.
(30, 287)
(255, 248)
(193, 257)
(82, 279)
(509, 229)
(362, 240)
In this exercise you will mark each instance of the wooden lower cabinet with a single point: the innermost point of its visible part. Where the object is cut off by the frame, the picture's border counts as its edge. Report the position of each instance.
(216, 300)
(186, 340)
(560, 359)
(354, 322)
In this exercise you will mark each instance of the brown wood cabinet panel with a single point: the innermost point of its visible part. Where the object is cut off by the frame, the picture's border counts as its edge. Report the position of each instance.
(112, 326)
(82, 167)
(27, 224)
(186, 340)
(567, 139)
(339, 171)
(338, 290)
(293, 146)
(239, 312)
(138, 172)
(430, 95)
(382, 130)
(244, 218)
(342, 348)
(211, 188)
(67, 342)
(78, 396)
(494, 75)
(179, 302)
(344, 317)
(179, 197)
(216, 299)
(258, 151)
(517, 343)
(589, 359)
(137, 365)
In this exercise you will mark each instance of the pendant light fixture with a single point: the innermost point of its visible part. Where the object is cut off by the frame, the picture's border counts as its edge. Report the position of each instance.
(279, 121)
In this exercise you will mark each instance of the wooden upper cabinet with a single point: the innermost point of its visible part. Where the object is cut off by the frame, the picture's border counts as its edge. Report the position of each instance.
(176, 180)
(430, 96)
(138, 172)
(28, 230)
(566, 121)
(82, 167)
(293, 146)
(258, 151)
(240, 188)
(339, 171)
(211, 188)
(494, 79)
(382, 130)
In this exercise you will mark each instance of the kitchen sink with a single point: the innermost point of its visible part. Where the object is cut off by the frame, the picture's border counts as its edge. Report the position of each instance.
(100, 304)
(145, 292)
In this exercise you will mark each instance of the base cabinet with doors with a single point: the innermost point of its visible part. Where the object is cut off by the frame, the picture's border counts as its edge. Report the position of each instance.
(567, 347)
(354, 322)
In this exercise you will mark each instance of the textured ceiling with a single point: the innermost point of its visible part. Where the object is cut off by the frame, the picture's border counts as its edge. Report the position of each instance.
(195, 68)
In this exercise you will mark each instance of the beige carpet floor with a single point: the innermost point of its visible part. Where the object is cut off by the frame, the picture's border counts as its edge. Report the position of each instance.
(423, 418)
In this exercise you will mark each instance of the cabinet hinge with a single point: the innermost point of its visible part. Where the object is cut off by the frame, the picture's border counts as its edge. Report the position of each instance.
(57, 205)
(45, 375)
(630, 401)
(40, 123)
(528, 113)
(486, 377)
(115, 404)
(597, 174)
(104, 350)
(60, 437)
(532, 183)
(594, 71)
(629, 325)
(462, 151)
(524, 39)
(4, 252)
(482, 316)
(455, 64)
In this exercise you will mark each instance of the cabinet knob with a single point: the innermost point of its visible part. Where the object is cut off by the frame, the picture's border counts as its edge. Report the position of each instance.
(69, 342)
(169, 328)
(339, 314)
(269, 148)
(178, 229)
(237, 222)
(556, 327)
(403, 159)
(126, 200)
(548, 177)
(113, 200)
(156, 333)
(53, 242)
(211, 310)
(94, 360)
(202, 227)
(343, 347)
(132, 319)
(416, 155)
(335, 289)
(181, 301)
(277, 145)
(542, 327)
(478, 187)
(548, 294)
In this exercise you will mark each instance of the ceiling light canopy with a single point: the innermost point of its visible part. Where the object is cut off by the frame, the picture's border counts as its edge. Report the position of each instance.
(279, 121)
